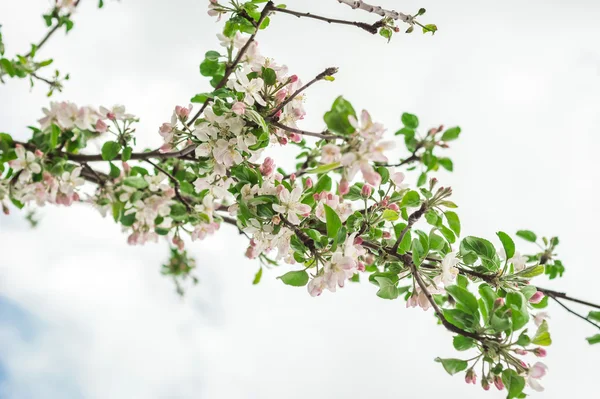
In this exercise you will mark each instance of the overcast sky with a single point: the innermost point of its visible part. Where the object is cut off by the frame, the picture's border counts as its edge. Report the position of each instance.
(84, 315)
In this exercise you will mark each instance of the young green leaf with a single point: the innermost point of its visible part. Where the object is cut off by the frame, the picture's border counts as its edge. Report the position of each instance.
(110, 150)
(296, 278)
(527, 235)
(507, 243)
(333, 221)
(453, 366)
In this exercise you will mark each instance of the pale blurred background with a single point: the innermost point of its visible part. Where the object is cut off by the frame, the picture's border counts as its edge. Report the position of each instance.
(84, 315)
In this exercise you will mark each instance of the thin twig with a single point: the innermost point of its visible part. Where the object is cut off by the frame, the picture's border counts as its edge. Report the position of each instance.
(325, 135)
(328, 72)
(412, 219)
(574, 313)
(371, 28)
(49, 33)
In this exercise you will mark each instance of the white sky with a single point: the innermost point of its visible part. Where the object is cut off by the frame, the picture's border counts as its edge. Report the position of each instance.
(91, 317)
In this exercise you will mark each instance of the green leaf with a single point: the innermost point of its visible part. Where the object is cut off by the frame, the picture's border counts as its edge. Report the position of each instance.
(127, 220)
(135, 182)
(531, 271)
(387, 288)
(595, 339)
(256, 118)
(410, 120)
(520, 315)
(337, 118)
(507, 243)
(482, 248)
(422, 179)
(410, 199)
(333, 222)
(323, 184)
(212, 55)
(542, 336)
(323, 168)
(209, 67)
(257, 276)
(110, 150)
(269, 76)
(527, 235)
(464, 297)
(114, 171)
(453, 221)
(200, 98)
(462, 343)
(7, 66)
(513, 382)
(296, 279)
(390, 215)
(446, 164)
(430, 28)
(453, 366)
(451, 134)
(54, 136)
(594, 315)
(489, 297)
(126, 154)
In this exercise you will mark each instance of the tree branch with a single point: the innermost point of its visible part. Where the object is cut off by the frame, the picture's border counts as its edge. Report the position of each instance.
(359, 4)
(371, 28)
(49, 34)
(328, 72)
(412, 219)
(573, 312)
(323, 135)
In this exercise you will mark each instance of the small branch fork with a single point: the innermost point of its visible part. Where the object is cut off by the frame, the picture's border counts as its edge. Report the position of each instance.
(371, 28)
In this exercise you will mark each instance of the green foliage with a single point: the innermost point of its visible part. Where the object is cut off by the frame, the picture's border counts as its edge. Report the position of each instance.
(453, 366)
(295, 278)
(527, 235)
(333, 222)
(337, 118)
(110, 150)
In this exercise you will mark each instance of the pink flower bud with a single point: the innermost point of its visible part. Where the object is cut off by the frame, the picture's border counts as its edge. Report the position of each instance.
(295, 137)
(485, 384)
(267, 167)
(521, 352)
(440, 128)
(126, 167)
(101, 126)
(38, 153)
(361, 267)
(283, 140)
(183, 112)
(432, 131)
(394, 207)
(252, 242)
(366, 191)
(358, 240)
(308, 183)
(386, 235)
(239, 108)
(396, 29)
(498, 383)
(292, 177)
(370, 259)
(279, 188)
(276, 220)
(293, 78)
(471, 377)
(111, 116)
(280, 96)
(537, 297)
(540, 352)
(250, 253)
(498, 303)
(344, 187)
